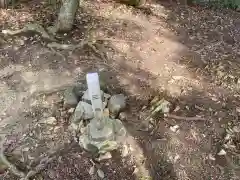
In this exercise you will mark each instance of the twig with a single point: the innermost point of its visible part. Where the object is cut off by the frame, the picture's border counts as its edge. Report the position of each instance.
(30, 27)
(12, 168)
(96, 51)
(58, 53)
(114, 40)
(41, 166)
(48, 159)
(185, 118)
(68, 46)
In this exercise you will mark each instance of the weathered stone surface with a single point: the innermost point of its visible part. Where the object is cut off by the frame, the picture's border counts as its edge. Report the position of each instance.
(86, 98)
(79, 89)
(116, 104)
(83, 111)
(104, 139)
(70, 98)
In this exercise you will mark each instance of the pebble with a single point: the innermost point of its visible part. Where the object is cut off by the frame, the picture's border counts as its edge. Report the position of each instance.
(105, 156)
(70, 98)
(116, 104)
(83, 111)
(92, 170)
(100, 173)
(79, 89)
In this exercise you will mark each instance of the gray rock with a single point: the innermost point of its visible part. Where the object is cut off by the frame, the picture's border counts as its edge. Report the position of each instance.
(70, 98)
(83, 111)
(103, 139)
(86, 98)
(79, 89)
(116, 104)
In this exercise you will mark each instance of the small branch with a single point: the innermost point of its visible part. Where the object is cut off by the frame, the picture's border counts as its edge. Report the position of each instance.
(68, 46)
(41, 166)
(48, 159)
(58, 53)
(30, 27)
(185, 118)
(97, 51)
(12, 168)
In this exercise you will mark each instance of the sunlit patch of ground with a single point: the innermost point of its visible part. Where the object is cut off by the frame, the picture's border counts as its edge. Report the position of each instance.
(190, 54)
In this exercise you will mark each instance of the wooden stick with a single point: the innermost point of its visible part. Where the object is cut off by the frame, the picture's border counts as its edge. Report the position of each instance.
(185, 118)
(12, 168)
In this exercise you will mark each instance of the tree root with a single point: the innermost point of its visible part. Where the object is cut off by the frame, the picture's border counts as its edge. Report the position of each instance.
(69, 46)
(42, 163)
(58, 53)
(30, 28)
(12, 168)
(52, 155)
(50, 158)
(40, 167)
(185, 118)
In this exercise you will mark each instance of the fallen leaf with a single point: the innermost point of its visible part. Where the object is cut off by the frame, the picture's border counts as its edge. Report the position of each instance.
(100, 173)
(236, 129)
(238, 109)
(174, 128)
(71, 110)
(211, 157)
(227, 137)
(222, 152)
(92, 170)
(105, 156)
(177, 109)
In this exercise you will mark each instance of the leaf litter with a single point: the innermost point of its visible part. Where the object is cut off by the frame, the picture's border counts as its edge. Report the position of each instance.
(215, 54)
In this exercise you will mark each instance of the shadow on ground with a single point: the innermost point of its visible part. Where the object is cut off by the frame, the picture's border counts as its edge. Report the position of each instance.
(187, 55)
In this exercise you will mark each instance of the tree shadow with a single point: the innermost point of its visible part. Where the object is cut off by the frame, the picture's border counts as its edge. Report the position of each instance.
(167, 155)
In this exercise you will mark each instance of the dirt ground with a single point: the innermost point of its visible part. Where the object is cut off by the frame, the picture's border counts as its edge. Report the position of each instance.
(187, 55)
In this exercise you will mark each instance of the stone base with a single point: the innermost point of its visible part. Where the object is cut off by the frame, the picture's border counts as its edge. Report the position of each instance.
(105, 139)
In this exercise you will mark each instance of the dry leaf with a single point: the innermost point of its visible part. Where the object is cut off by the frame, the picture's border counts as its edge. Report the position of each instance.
(92, 170)
(222, 152)
(100, 173)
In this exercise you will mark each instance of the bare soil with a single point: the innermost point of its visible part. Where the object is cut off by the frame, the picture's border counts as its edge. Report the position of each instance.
(187, 55)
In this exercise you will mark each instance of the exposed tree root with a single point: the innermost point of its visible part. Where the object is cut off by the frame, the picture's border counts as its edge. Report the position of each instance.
(67, 46)
(41, 163)
(12, 168)
(185, 118)
(58, 53)
(52, 155)
(30, 28)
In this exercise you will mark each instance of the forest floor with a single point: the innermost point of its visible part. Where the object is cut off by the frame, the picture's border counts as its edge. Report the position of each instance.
(190, 56)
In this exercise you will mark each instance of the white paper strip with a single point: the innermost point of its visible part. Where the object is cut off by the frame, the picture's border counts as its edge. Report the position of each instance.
(95, 93)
